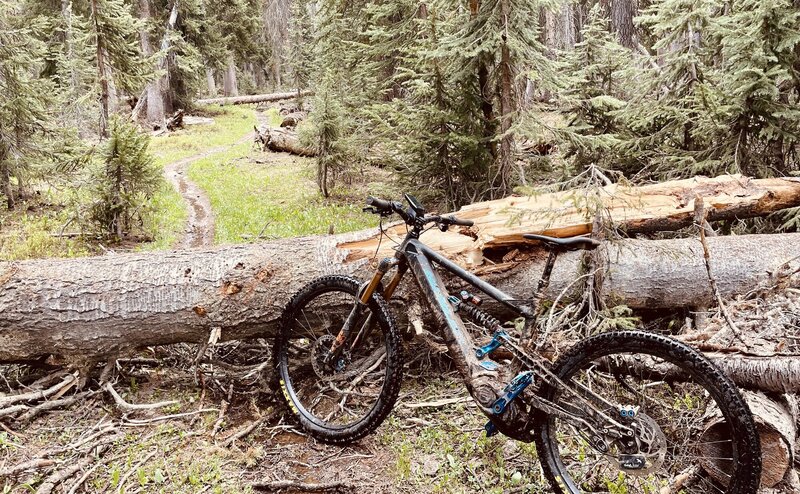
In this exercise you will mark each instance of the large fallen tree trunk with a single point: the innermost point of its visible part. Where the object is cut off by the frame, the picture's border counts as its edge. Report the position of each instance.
(102, 306)
(665, 206)
(284, 140)
(255, 98)
(97, 307)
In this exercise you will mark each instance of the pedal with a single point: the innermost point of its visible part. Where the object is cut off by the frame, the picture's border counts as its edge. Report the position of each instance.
(490, 428)
(497, 340)
(511, 391)
(489, 365)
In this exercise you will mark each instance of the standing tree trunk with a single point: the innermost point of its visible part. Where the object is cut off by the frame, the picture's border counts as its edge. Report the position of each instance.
(622, 14)
(69, 43)
(155, 102)
(505, 162)
(486, 94)
(102, 72)
(229, 85)
(211, 82)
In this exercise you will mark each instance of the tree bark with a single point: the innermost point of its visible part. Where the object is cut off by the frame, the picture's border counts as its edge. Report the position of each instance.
(622, 14)
(211, 82)
(159, 89)
(283, 141)
(505, 161)
(97, 307)
(256, 98)
(230, 87)
(777, 430)
(102, 73)
(153, 94)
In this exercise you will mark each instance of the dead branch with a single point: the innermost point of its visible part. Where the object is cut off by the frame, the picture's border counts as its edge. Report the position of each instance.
(130, 407)
(34, 464)
(701, 220)
(37, 395)
(300, 486)
(60, 476)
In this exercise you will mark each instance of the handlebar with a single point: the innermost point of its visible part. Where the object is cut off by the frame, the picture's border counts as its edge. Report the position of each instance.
(379, 203)
(385, 208)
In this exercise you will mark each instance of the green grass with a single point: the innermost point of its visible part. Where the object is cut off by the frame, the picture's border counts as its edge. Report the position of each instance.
(452, 454)
(168, 220)
(32, 234)
(231, 124)
(278, 198)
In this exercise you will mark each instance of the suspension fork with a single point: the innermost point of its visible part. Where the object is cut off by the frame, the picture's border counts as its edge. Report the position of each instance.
(364, 295)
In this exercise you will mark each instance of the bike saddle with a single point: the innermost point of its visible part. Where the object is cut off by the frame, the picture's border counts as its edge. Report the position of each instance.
(571, 243)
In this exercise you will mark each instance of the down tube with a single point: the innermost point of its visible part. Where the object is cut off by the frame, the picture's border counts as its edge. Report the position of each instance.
(458, 341)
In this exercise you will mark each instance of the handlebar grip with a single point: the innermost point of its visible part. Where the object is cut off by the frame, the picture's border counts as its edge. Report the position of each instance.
(456, 221)
(379, 203)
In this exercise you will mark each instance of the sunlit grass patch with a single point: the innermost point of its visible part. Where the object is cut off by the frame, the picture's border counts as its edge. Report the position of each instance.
(276, 199)
(167, 220)
(37, 234)
(230, 125)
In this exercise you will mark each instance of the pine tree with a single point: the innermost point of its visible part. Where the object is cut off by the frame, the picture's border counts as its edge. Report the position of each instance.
(504, 35)
(673, 120)
(761, 79)
(25, 103)
(593, 93)
(301, 45)
(434, 132)
(125, 180)
(115, 35)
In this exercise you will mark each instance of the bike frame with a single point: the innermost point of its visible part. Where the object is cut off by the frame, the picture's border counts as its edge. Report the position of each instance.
(420, 259)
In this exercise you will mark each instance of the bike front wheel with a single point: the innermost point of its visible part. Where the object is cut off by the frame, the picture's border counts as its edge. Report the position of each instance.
(695, 433)
(344, 399)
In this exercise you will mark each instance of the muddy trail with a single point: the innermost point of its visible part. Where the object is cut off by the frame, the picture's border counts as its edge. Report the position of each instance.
(199, 231)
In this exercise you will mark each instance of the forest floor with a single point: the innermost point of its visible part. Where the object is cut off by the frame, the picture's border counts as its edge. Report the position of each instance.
(432, 442)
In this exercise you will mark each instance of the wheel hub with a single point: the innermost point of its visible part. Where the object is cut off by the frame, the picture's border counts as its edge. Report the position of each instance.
(645, 451)
(322, 367)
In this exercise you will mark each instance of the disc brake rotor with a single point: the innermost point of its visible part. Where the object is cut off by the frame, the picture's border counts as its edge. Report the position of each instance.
(652, 448)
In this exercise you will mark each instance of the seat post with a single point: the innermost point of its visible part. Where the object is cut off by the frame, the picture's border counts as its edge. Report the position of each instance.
(544, 281)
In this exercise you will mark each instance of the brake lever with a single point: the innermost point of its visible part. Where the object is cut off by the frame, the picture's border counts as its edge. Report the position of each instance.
(443, 226)
(369, 210)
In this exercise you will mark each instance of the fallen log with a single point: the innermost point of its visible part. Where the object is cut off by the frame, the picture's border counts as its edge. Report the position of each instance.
(292, 119)
(255, 98)
(666, 206)
(777, 429)
(285, 141)
(97, 307)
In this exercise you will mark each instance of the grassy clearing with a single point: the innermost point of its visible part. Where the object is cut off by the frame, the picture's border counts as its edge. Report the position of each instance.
(168, 219)
(275, 198)
(231, 124)
(32, 233)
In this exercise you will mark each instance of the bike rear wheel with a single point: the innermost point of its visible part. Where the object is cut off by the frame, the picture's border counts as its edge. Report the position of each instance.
(344, 400)
(698, 435)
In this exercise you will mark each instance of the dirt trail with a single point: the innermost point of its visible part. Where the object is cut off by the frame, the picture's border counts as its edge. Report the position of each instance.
(200, 223)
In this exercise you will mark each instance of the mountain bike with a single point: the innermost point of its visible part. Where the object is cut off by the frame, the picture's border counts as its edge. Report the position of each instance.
(621, 411)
